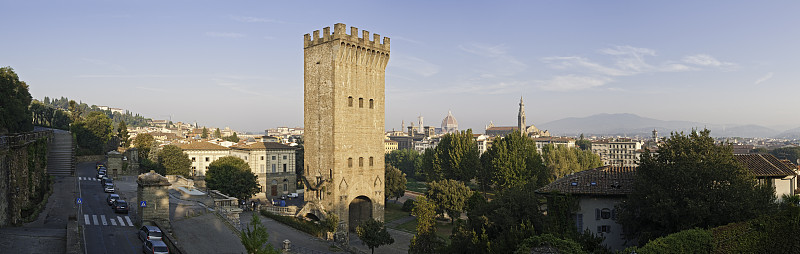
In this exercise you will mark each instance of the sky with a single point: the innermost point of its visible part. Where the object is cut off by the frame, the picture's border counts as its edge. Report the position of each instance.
(239, 64)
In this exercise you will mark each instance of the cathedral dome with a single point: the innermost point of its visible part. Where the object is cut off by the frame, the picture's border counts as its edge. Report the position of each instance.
(449, 124)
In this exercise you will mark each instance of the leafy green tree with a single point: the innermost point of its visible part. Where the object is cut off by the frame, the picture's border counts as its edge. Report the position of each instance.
(786, 153)
(395, 186)
(93, 132)
(205, 133)
(255, 238)
(232, 176)
(562, 160)
(583, 143)
(232, 138)
(513, 162)
(455, 157)
(174, 160)
(426, 240)
(122, 133)
(143, 143)
(217, 133)
(76, 111)
(550, 241)
(373, 233)
(331, 222)
(690, 183)
(406, 160)
(449, 196)
(14, 101)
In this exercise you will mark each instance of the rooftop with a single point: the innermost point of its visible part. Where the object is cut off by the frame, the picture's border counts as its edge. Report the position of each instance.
(606, 180)
(762, 165)
(201, 146)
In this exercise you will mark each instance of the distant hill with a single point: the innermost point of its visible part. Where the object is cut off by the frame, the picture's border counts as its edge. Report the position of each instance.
(633, 125)
(789, 134)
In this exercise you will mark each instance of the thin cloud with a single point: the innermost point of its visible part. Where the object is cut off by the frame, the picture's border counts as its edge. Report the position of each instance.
(573, 83)
(236, 87)
(764, 78)
(224, 35)
(105, 64)
(707, 60)
(255, 20)
(127, 76)
(415, 65)
(501, 62)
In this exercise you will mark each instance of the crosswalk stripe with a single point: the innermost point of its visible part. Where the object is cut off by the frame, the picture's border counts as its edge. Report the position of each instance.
(129, 221)
(113, 222)
(121, 222)
(103, 218)
(94, 217)
(86, 218)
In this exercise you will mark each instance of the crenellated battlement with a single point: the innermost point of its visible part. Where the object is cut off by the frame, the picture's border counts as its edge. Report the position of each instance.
(352, 38)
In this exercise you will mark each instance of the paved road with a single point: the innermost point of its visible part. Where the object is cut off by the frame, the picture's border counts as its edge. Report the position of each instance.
(104, 230)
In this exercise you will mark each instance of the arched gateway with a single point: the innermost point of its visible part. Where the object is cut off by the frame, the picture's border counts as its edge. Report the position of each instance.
(360, 210)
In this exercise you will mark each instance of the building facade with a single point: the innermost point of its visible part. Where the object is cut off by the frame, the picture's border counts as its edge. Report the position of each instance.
(273, 163)
(621, 152)
(344, 81)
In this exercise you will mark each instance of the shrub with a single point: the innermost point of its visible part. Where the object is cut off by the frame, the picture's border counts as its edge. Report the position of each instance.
(688, 241)
(408, 205)
(302, 225)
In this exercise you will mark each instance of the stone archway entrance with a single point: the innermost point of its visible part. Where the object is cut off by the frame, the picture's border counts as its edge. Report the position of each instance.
(360, 210)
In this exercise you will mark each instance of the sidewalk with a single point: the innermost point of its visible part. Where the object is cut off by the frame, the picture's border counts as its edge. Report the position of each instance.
(48, 233)
(300, 240)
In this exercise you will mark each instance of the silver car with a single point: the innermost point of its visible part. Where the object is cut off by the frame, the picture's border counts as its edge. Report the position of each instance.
(109, 188)
(155, 247)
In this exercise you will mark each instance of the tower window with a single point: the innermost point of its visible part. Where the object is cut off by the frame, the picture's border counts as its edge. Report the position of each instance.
(350, 162)
(360, 102)
(371, 103)
(360, 161)
(350, 101)
(371, 161)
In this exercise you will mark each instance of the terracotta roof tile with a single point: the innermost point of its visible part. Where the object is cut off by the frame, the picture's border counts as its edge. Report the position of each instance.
(764, 165)
(202, 146)
(606, 180)
(265, 145)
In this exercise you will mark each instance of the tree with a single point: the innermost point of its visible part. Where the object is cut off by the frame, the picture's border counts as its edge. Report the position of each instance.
(785, 153)
(75, 110)
(232, 176)
(406, 160)
(217, 133)
(426, 240)
(455, 157)
(122, 133)
(331, 222)
(584, 144)
(449, 196)
(205, 133)
(373, 233)
(562, 160)
(174, 160)
(14, 101)
(143, 143)
(255, 237)
(395, 186)
(691, 182)
(93, 132)
(512, 162)
(232, 138)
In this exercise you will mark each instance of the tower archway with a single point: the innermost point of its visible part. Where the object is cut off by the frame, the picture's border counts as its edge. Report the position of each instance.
(360, 210)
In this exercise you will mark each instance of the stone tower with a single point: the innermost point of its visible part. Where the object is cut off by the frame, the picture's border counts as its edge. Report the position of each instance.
(344, 80)
(153, 189)
(521, 118)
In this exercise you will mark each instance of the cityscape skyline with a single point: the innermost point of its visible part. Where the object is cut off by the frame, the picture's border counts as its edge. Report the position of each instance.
(240, 65)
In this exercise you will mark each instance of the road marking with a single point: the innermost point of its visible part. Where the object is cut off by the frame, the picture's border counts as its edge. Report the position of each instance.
(129, 221)
(103, 218)
(86, 217)
(94, 217)
(113, 222)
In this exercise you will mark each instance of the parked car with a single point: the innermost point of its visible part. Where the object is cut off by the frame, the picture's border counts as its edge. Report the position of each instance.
(111, 198)
(149, 233)
(109, 188)
(105, 180)
(155, 247)
(120, 206)
(101, 174)
(293, 195)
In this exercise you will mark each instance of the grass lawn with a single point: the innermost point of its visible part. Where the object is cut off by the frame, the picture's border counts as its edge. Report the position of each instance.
(393, 212)
(443, 229)
(414, 185)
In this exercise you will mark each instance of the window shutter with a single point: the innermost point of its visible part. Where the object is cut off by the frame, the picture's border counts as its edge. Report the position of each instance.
(597, 214)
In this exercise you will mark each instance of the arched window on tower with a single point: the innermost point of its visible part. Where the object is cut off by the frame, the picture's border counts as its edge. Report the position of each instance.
(360, 161)
(371, 161)
(371, 103)
(360, 102)
(349, 101)
(349, 162)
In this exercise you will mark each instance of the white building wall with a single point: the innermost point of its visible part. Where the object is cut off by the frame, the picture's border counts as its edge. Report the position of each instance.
(597, 214)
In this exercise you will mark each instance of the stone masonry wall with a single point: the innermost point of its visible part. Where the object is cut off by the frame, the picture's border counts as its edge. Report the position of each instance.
(23, 177)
